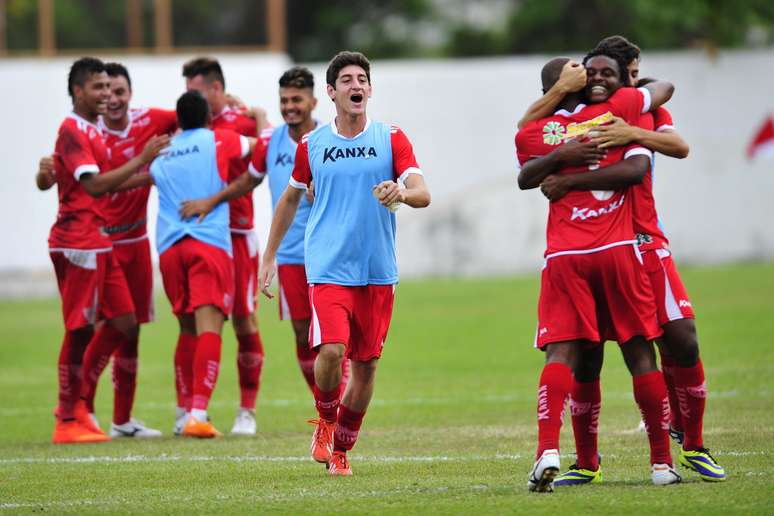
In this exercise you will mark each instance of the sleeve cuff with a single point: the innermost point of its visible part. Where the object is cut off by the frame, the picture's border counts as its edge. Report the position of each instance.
(645, 99)
(297, 184)
(665, 127)
(638, 151)
(411, 170)
(245, 143)
(255, 172)
(85, 169)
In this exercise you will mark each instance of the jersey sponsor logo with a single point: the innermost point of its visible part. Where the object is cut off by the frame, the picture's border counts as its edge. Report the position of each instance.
(589, 213)
(176, 153)
(644, 238)
(335, 153)
(142, 122)
(283, 159)
(553, 133)
(684, 303)
(543, 403)
(577, 129)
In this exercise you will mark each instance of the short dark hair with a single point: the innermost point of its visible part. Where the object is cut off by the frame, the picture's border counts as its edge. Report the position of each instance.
(207, 67)
(344, 59)
(81, 70)
(620, 44)
(192, 110)
(615, 55)
(551, 71)
(118, 70)
(297, 77)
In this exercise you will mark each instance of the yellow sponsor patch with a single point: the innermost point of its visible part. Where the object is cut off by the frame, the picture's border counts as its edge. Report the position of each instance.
(576, 129)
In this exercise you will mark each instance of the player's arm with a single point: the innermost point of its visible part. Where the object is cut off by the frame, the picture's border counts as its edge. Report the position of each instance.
(97, 185)
(617, 176)
(572, 153)
(571, 79)
(414, 192)
(244, 184)
(46, 176)
(667, 142)
(284, 214)
(136, 181)
(659, 92)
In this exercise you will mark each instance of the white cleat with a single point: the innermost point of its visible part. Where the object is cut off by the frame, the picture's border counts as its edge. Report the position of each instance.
(181, 417)
(641, 427)
(541, 478)
(133, 428)
(664, 475)
(244, 423)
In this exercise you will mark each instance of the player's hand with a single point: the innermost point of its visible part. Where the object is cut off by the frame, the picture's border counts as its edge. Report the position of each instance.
(554, 187)
(613, 134)
(266, 274)
(46, 177)
(154, 146)
(388, 193)
(578, 152)
(310, 192)
(200, 207)
(235, 102)
(572, 78)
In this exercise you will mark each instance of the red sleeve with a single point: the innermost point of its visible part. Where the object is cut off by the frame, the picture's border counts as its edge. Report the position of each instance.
(257, 166)
(76, 153)
(627, 103)
(164, 120)
(662, 119)
(523, 142)
(302, 174)
(645, 121)
(247, 126)
(403, 157)
(228, 146)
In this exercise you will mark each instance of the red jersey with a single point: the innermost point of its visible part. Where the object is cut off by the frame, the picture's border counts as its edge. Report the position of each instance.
(80, 222)
(240, 209)
(585, 221)
(650, 235)
(126, 212)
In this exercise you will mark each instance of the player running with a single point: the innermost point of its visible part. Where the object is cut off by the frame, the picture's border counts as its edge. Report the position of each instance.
(274, 157)
(357, 166)
(90, 280)
(195, 256)
(593, 286)
(206, 76)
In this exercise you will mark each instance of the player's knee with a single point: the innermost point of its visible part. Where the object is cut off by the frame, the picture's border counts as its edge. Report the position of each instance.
(245, 325)
(331, 353)
(682, 342)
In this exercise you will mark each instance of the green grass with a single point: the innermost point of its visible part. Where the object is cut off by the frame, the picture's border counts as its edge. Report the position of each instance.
(451, 429)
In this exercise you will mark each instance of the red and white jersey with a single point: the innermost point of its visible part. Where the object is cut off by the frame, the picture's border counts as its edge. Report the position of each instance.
(240, 209)
(126, 212)
(80, 222)
(586, 221)
(258, 167)
(650, 235)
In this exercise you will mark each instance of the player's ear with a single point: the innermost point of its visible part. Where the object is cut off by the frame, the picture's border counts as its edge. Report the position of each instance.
(331, 92)
(314, 102)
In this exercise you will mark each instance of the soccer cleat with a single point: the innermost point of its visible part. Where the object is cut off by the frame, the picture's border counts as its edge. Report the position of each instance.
(133, 428)
(70, 432)
(641, 427)
(664, 475)
(181, 417)
(86, 418)
(201, 429)
(576, 476)
(244, 423)
(541, 478)
(322, 440)
(339, 465)
(676, 435)
(704, 464)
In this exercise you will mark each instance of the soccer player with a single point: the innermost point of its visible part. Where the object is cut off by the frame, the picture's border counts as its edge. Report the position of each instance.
(195, 256)
(274, 156)
(678, 347)
(357, 166)
(90, 280)
(593, 287)
(206, 76)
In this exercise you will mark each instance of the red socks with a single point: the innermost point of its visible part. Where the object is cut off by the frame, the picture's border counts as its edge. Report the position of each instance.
(206, 365)
(306, 357)
(98, 353)
(124, 380)
(554, 389)
(249, 364)
(585, 403)
(347, 427)
(69, 369)
(668, 368)
(692, 394)
(184, 358)
(327, 403)
(650, 393)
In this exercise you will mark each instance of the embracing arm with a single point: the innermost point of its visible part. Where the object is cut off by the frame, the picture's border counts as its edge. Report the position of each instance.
(618, 133)
(617, 176)
(244, 184)
(572, 153)
(572, 78)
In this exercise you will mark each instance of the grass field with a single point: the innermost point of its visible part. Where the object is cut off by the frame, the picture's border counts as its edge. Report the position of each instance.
(451, 428)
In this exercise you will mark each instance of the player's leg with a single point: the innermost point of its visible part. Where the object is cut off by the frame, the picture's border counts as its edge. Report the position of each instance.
(250, 353)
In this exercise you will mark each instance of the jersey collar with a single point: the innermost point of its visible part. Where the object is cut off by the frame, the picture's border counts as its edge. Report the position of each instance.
(124, 133)
(335, 130)
(79, 118)
(564, 112)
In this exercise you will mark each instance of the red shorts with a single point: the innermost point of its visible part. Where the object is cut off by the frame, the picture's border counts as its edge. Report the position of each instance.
(672, 301)
(134, 257)
(293, 293)
(246, 263)
(597, 296)
(358, 317)
(92, 287)
(197, 274)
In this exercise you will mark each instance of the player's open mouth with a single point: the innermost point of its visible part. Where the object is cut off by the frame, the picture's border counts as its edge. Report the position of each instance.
(598, 90)
(357, 97)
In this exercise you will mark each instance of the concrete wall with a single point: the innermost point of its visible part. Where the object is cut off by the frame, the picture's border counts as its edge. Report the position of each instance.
(461, 116)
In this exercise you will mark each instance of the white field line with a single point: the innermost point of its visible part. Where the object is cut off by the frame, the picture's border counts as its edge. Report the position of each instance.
(308, 402)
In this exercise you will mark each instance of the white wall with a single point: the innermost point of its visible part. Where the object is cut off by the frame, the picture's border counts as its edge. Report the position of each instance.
(461, 116)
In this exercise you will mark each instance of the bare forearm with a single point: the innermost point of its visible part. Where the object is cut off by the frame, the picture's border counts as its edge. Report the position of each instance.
(669, 143)
(136, 181)
(535, 170)
(614, 177)
(416, 193)
(97, 185)
(242, 186)
(542, 107)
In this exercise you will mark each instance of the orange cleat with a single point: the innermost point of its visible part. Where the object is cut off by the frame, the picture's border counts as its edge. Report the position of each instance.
(86, 420)
(339, 465)
(322, 440)
(70, 432)
(201, 429)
